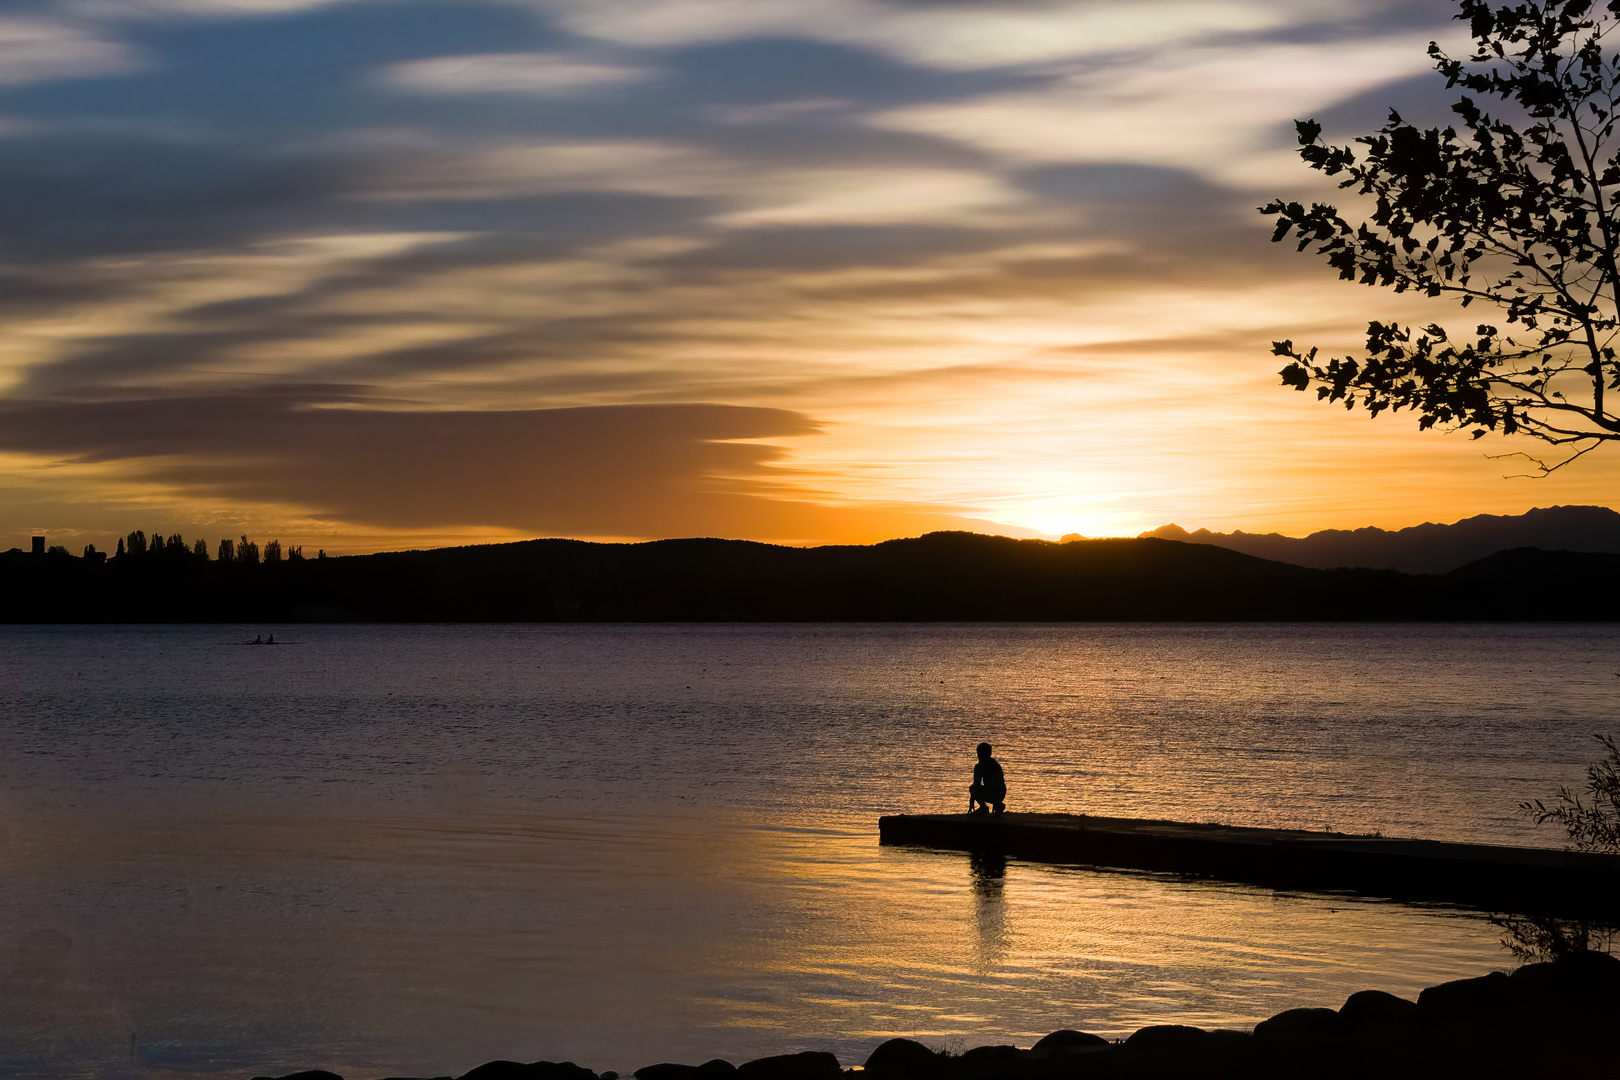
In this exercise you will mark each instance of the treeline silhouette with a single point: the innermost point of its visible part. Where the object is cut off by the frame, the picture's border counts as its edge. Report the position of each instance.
(175, 549)
(941, 576)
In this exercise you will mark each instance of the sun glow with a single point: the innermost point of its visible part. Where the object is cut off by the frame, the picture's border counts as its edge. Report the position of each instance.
(707, 267)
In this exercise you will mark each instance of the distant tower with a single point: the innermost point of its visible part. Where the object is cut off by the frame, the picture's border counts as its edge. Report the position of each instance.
(39, 545)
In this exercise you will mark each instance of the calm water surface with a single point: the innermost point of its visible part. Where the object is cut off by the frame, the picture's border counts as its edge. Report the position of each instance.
(408, 850)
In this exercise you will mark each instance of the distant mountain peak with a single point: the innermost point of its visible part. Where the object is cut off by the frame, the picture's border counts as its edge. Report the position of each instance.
(1428, 548)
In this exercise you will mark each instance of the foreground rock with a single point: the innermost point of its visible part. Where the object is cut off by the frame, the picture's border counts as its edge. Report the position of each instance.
(1543, 1020)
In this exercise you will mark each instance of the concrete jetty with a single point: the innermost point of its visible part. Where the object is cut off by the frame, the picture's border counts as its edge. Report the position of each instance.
(1495, 878)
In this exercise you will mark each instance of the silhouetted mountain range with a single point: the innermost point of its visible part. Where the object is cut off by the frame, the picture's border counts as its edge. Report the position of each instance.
(941, 576)
(1428, 548)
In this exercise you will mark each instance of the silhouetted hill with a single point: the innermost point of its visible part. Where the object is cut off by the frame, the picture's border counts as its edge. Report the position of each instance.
(1424, 549)
(941, 576)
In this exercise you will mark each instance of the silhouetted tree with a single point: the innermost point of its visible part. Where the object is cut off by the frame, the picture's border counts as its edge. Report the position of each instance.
(90, 551)
(247, 551)
(227, 551)
(199, 550)
(295, 553)
(137, 543)
(272, 551)
(176, 547)
(1520, 215)
(119, 553)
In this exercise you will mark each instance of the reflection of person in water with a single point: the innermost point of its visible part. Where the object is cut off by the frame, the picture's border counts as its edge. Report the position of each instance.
(989, 784)
(988, 871)
(988, 874)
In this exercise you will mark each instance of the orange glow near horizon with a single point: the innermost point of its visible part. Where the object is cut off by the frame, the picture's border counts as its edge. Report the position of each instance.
(884, 271)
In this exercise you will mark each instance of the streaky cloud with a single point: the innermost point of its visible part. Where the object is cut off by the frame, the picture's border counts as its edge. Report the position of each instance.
(543, 74)
(625, 471)
(950, 36)
(1206, 109)
(44, 50)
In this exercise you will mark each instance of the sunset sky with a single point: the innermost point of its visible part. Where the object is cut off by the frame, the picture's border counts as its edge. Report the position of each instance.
(369, 274)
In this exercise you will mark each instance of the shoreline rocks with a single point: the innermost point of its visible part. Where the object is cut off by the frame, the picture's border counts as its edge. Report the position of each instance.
(1542, 1020)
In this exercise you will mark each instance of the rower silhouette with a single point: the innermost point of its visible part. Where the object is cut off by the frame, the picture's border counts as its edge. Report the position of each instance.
(989, 784)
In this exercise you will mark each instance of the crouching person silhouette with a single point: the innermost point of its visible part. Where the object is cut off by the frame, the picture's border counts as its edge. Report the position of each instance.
(989, 784)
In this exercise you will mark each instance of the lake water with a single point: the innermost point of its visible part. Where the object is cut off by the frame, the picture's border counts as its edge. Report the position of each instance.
(407, 850)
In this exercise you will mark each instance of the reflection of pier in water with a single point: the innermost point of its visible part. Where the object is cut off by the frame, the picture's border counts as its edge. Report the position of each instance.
(1485, 876)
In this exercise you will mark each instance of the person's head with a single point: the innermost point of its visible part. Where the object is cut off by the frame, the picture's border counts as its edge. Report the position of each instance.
(984, 750)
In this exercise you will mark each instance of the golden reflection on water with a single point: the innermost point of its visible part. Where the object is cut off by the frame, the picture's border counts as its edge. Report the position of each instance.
(981, 950)
(989, 873)
(405, 851)
(421, 943)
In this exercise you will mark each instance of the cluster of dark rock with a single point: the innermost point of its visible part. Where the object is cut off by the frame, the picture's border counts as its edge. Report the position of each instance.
(1544, 1020)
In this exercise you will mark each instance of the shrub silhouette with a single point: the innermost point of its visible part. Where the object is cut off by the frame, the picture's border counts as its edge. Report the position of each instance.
(1589, 826)
(1535, 938)
(1594, 827)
